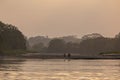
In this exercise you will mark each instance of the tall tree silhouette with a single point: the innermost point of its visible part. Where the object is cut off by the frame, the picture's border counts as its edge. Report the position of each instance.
(11, 38)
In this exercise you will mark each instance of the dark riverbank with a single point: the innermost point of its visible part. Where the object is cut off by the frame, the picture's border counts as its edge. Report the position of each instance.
(26, 54)
(60, 56)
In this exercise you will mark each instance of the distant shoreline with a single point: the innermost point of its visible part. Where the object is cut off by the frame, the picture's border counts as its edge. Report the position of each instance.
(61, 57)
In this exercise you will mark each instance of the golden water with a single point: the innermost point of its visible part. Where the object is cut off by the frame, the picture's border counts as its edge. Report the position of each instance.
(58, 69)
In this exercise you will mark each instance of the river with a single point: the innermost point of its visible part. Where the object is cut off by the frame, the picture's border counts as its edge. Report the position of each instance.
(59, 69)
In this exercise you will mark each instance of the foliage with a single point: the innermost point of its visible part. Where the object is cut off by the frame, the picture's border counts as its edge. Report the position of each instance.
(11, 38)
(56, 46)
(90, 45)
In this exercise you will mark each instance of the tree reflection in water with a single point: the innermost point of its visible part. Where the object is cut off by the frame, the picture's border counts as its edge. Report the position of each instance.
(11, 64)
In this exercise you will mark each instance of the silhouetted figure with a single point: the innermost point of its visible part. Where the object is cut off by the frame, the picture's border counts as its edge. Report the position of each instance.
(69, 55)
(64, 56)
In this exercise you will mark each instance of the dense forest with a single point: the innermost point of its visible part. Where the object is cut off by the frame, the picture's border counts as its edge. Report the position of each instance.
(90, 45)
(11, 39)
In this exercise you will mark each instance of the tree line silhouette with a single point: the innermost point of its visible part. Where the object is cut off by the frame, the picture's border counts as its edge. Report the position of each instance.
(11, 38)
(90, 45)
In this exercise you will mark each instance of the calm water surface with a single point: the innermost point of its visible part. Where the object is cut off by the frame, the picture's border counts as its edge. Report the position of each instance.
(58, 69)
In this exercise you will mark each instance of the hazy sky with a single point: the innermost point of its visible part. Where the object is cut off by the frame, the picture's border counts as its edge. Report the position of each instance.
(62, 17)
